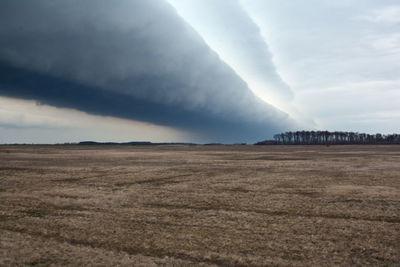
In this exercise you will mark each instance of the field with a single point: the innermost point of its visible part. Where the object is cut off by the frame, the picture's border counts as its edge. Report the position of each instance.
(199, 205)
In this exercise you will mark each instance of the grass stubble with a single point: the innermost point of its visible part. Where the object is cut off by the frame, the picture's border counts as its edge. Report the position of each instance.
(200, 205)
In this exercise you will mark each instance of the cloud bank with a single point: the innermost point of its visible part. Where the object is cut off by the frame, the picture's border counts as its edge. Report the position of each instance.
(232, 33)
(129, 59)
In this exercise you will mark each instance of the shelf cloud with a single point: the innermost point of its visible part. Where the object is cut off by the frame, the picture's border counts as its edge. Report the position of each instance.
(129, 59)
(230, 31)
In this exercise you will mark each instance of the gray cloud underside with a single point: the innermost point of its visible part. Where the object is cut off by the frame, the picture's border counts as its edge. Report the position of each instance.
(130, 59)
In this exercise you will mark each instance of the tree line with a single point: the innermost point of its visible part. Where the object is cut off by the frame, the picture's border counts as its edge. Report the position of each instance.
(331, 138)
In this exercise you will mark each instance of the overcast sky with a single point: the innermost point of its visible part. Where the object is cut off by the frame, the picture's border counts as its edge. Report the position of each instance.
(190, 70)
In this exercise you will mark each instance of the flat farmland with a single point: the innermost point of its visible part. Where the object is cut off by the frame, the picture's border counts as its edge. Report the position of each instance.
(199, 205)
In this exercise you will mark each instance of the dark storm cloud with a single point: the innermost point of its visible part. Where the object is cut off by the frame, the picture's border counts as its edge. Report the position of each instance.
(130, 59)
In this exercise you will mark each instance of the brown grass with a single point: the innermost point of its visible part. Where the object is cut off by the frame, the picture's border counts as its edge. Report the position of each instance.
(191, 206)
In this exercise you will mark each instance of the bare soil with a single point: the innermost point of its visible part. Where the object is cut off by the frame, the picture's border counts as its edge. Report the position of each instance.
(200, 205)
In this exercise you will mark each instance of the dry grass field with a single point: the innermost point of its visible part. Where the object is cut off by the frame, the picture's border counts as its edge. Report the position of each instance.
(200, 205)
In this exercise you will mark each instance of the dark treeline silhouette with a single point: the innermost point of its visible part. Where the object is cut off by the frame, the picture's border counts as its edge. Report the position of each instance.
(331, 138)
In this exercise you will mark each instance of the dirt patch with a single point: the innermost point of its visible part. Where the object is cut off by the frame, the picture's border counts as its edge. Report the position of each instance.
(200, 206)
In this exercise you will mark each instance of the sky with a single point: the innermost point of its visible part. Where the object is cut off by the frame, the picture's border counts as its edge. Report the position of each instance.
(204, 71)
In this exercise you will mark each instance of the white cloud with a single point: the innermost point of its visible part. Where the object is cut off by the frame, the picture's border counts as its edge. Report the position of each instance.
(366, 106)
(230, 31)
(386, 15)
(387, 43)
(341, 69)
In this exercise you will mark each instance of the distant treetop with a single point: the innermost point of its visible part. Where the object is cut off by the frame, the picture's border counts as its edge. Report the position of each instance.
(331, 138)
